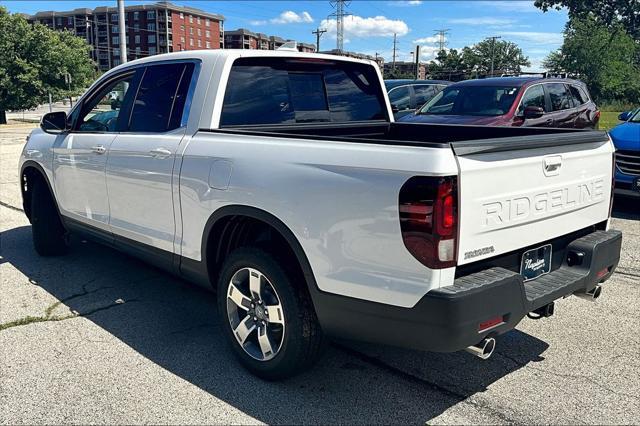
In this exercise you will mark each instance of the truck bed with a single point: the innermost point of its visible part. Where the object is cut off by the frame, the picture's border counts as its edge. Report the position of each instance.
(464, 139)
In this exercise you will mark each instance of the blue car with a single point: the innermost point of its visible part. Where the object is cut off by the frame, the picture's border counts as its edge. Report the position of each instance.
(626, 138)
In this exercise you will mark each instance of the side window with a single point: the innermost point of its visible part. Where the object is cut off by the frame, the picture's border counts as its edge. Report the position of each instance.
(400, 97)
(560, 98)
(424, 94)
(579, 95)
(101, 111)
(534, 96)
(161, 98)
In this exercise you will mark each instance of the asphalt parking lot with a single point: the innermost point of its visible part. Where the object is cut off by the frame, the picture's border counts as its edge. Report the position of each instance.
(98, 337)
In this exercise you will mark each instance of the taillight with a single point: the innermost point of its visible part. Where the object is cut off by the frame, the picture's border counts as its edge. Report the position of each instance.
(429, 219)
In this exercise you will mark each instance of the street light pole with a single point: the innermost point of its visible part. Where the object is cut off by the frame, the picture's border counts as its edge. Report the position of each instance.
(493, 49)
(123, 32)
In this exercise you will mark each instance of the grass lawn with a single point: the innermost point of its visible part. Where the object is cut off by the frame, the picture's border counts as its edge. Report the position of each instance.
(608, 119)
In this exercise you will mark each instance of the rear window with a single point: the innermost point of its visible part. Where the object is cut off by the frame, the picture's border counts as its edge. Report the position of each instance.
(290, 91)
(472, 100)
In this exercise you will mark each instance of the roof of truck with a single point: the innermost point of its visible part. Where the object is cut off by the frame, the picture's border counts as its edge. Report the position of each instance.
(238, 53)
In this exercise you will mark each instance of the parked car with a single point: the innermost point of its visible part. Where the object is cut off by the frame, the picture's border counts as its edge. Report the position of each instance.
(280, 179)
(512, 101)
(408, 95)
(626, 139)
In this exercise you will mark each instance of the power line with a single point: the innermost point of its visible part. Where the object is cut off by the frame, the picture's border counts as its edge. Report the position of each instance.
(318, 33)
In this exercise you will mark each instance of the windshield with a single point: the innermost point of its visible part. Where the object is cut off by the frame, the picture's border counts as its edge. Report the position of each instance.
(636, 117)
(472, 100)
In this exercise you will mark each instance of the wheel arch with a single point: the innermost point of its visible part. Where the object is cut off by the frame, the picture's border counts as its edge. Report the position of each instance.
(220, 226)
(29, 171)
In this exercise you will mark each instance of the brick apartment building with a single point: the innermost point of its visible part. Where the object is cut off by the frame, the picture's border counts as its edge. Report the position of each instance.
(150, 29)
(245, 39)
(407, 68)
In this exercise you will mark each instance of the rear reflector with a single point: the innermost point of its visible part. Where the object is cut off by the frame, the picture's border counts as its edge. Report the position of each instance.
(486, 325)
(602, 273)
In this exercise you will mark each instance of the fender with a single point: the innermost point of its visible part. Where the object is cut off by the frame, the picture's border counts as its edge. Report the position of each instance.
(35, 165)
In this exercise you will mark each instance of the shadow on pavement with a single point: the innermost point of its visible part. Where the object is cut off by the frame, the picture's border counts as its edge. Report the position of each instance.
(626, 208)
(175, 325)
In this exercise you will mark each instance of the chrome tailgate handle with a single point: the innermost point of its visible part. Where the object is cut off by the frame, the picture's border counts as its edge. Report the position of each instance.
(552, 165)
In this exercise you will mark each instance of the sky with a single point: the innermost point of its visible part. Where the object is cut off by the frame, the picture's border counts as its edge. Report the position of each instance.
(370, 26)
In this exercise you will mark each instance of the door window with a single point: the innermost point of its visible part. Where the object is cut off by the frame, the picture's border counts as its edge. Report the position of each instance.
(160, 100)
(534, 96)
(101, 111)
(424, 93)
(400, 97)
(560, 98)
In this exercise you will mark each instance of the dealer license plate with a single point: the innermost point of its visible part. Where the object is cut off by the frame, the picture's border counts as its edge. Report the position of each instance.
(536, 262)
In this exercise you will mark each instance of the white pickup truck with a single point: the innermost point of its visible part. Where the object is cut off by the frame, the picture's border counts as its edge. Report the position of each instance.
(281, 179)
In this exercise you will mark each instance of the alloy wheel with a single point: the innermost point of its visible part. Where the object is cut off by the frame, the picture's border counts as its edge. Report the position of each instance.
(255, 314)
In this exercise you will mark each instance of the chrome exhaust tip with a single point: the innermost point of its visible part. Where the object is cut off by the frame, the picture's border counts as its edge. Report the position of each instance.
(484, 349)
(591, 295)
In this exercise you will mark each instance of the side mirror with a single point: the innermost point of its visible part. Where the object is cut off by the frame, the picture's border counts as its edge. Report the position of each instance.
(533, 112)
(54, 122)
(625, 116)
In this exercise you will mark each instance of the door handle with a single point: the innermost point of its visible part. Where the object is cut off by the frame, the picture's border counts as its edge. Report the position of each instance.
(549, 121)
(160, 153)
(99, 149)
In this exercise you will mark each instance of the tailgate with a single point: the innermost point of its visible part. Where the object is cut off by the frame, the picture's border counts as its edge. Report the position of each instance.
(517, 192)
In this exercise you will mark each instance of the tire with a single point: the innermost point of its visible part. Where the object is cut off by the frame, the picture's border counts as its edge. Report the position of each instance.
(49, 235)
(296, 344)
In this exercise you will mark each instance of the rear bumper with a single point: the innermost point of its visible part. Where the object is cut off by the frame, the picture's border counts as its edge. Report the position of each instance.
(448, 319)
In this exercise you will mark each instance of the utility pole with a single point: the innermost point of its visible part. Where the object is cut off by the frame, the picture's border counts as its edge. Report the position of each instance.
(395, 43)
(123, 32)
(442, 38)
(493, 48)
(339, 14)
(318, 33)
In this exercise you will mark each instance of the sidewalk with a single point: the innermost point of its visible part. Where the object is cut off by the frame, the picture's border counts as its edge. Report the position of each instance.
(34, 115)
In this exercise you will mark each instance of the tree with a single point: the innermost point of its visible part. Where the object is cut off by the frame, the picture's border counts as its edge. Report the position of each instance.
(506, 57)
(604, 57)
(448, 65)
(476, 60)
(606, 12)
(397, 74)
(34, 61)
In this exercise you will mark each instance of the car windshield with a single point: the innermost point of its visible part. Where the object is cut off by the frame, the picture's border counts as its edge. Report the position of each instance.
(636, 117)
(472, 100)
